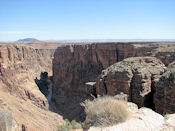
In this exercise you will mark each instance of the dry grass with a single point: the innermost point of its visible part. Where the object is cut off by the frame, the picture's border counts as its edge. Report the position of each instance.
(105, 111)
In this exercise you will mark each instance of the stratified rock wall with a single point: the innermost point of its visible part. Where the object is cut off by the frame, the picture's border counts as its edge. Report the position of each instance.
(133, 76)
(19, 95)
(165, 91)
(19, 66)
(76, 64)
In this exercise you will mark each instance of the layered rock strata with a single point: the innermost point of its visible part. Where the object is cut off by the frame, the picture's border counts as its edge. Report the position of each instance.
(73, 66)
(76, 64)
(19, 66)
(133, 76)
(19, 95)
(165, 91)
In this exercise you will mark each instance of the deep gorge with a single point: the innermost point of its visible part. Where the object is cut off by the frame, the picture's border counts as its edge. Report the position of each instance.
(70, 67)
(75, 65)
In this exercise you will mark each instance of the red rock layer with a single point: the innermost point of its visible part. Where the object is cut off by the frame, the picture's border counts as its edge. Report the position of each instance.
(165, 91)
(19, 66)
(19, 95)
(133, 76)
(74, 65)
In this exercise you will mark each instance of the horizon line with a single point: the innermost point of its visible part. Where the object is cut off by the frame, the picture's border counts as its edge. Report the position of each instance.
(100, 40)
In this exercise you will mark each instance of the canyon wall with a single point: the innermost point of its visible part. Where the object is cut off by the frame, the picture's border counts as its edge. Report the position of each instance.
(76, 64)
(73, 66)
(135, 76)
(165, 91)
(19, 94)
(20, 65)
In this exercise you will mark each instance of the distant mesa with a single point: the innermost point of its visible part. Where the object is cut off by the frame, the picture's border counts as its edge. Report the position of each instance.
(26, 40)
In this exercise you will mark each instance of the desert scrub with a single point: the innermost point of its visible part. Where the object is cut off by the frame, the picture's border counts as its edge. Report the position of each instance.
(70, 125)
(105, 111)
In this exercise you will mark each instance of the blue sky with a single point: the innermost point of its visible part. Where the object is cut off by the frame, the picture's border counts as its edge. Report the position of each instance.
(87, 19)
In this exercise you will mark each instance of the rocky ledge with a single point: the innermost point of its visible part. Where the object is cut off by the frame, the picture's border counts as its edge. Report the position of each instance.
(135, 76)
(143, 119)
(145, 80)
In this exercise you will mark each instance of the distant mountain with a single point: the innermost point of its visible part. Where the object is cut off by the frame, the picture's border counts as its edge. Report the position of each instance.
(26, 40)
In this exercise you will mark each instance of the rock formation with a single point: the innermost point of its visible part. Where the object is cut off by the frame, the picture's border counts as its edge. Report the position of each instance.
(165, 52)
(73, 66)
(20, 66)
(133, 76)
(165, 91)
(28, 116)
(76, 64)
(19, 95)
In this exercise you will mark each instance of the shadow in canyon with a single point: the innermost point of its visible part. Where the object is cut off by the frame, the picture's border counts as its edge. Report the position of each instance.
(45, 85)
(67, 105)
(42, 83)
(149, 100)
(64, 104)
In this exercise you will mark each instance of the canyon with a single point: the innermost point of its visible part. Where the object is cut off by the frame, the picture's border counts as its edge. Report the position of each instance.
(77, 64)
(20, 65)
(80, 71)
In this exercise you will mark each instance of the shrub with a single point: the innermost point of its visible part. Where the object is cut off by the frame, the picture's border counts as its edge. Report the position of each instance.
(70, 125)
(105, 111)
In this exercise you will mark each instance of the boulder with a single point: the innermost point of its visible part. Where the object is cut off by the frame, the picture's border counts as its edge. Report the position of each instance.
(133, 76)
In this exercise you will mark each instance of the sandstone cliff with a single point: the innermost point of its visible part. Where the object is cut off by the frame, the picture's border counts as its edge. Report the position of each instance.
(165, 91)
(27, 116)
(133, 76)
(73, 66)
(19, 95)
(19, 66)
(76, 64)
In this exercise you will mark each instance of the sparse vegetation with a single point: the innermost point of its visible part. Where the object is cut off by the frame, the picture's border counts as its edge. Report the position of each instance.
(71, 125)
(105, 111)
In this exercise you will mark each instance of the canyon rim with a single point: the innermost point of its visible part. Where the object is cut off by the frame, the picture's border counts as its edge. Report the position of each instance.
(51, 80)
